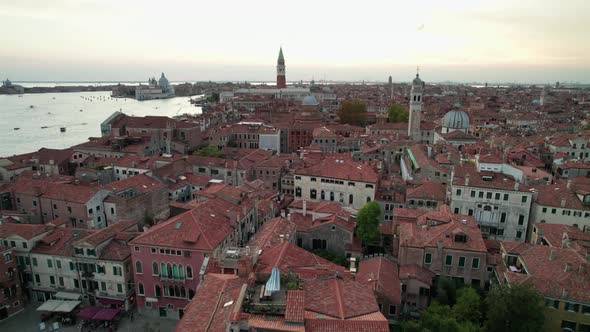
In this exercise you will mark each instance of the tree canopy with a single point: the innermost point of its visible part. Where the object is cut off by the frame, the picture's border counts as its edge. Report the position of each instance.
(353, 112)
(397, 113)
(514, 308)
(468, 306)
(367, 222)
(439, 317)
(209, 151)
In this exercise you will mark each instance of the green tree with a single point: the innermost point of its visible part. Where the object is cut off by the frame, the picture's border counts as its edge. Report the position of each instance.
(514, 308)
(468, 306)
(367, 222)
(440, 317)
(353, 112)
(446, 291)
(397, 113)
(209, 151)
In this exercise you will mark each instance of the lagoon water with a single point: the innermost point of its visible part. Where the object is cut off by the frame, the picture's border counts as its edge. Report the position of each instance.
(55, 110)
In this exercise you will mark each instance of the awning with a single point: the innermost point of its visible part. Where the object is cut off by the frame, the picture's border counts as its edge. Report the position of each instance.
(274, 282)
(67, 306)
(152, 299)
(50, 305)
(106, 314)
(105, 300)
(67, 296)
(88, 312)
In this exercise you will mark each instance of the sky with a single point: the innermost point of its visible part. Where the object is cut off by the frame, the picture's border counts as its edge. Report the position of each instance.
(525, 41)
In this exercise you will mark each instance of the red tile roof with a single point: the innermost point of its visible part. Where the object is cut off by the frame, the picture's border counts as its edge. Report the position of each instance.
(331, 167)
(272, 233)
(414, 271)
(339, 298)
(383, 276)
(213, 305)
(26, 231)
(332, 325)
(108, 233)
(61, 242)
(295, 308)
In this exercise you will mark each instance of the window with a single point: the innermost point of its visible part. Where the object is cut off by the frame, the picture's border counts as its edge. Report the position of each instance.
(461, 261)
(566, 324)
(505, 197)
(52, 280)
(500, 232)
(458, 193)
(456, 211)
(155, 268)
(473, 193)
(544, 210)
(489, 195)
(140, 289)
(572, 307)
(462, 238)
(521, 219)
(470, 212)
(449, 260)
(480, 194)
(58, 263)
(586, 309)
(91, 252)
(34, 261)
(119, 288)
(518, 234)
(76, 283)
(136, 249)
(49, 263)
(72, 266)
(313, 179)
(350, 199)
(497, 197)
(553, 211)
(312, 193)
(392, 310)
(524, 199)
(189, 272)
(503, 217)
(475, 263)
(117, 271)
(138, 267)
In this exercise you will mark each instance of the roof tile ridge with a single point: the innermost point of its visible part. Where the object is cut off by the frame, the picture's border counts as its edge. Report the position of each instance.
(338, 289)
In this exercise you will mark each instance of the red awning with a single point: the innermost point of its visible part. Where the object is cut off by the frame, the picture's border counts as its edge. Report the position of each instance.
(106, 314)
(110, 301)
(88, 312)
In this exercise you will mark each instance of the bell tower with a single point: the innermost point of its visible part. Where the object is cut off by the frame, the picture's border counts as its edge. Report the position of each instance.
(281, 80)
(415, 108)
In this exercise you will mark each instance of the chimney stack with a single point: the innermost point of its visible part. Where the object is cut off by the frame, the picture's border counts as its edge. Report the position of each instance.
(516, 185)
(304, 208)
(467, 180)
(353, 264)
(552, 255)
(563, 201)
(569, 184)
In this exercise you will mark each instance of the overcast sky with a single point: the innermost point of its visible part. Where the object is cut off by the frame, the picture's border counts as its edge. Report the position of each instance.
(460, 40)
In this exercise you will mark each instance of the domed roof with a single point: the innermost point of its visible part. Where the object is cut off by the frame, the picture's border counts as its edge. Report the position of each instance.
(163, 80)
(310, 100)
(456, 119)
(417, 80)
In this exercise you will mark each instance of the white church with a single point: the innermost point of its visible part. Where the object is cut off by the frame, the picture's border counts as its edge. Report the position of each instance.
(159, 89)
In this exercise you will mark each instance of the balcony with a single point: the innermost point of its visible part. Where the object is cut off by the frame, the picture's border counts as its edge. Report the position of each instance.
(171, 278)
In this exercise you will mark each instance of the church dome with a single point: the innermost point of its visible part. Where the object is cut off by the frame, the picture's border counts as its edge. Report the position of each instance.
(456, 119)
(310, 100)
(163, 81)
(417, 80)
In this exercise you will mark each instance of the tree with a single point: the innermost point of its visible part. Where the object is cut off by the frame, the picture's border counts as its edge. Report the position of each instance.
(367, 222)
(468, 306)
(353, 112)
(514, 308)
(209, 151)
(397, 113)
(446, 291)
(440, 317)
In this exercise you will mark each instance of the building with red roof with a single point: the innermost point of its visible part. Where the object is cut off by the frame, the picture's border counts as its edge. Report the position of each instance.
(12, 300)
(382, 276)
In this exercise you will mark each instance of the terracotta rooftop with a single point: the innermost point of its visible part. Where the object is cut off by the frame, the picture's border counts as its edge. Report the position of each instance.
(383, 276)
(25, 231)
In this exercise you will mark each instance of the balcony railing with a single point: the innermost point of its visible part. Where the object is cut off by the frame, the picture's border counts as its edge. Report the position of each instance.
(172, 278)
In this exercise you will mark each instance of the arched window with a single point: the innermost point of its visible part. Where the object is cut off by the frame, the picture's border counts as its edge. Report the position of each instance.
(182, 292)
(323, 195)
(331, 196)
(350, 199)
(175, 271)
(341, 198)
(138, 267)
(313, 194)
(163, 270)
(189, 272)
(155, 268)
(191, 293)
(140, 289)
(487, 208)
(181, 272)
(158, 291)
(298, 192)
(169, 270)
(171, 290)
(176, 291)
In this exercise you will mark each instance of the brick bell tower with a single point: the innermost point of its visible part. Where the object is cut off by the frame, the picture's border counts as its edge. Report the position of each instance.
(281, 80)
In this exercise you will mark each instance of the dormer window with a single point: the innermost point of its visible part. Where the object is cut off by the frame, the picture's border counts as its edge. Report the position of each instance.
(460, 238)
(79, 251)
(487, 178)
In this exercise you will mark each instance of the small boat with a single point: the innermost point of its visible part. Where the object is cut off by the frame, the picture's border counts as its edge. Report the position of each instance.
(16, 128)
(81, 111)
(31, 106)
(62, 129)
(44, 127)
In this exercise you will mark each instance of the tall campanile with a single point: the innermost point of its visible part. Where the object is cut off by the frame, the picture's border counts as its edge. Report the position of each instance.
(281, 80)
(415, 108)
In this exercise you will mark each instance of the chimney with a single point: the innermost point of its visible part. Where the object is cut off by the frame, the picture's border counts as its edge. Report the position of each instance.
(552, 255)
(568, 267)
(516, 185)
(569, 184)
(449, 156)
(563, 201)
(429, 149)
(304, 208)
(289, 217)
(467, 180)
(565, 293)
(353, 264)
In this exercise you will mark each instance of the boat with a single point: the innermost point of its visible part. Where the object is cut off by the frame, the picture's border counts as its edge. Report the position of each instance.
(62, 129)
(16, 128)
(81, 111)
(31, 106)
(44, 127)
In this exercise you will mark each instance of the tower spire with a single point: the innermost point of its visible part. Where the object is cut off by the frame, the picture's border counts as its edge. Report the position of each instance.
(281, 80)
